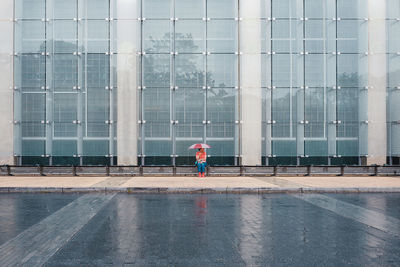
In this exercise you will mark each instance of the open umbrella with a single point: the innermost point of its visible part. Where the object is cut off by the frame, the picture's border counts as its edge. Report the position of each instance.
(197, 146)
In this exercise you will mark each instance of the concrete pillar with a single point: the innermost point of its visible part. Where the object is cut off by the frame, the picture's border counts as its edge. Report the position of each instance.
(377, 137)
(127, 37)
(6, 85)
(250, 81)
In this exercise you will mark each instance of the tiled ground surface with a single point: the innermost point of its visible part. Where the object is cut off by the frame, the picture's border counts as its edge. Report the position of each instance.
(208, 182)
(200, 230)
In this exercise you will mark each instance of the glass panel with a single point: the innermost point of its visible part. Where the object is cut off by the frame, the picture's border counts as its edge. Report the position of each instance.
(189, 36)
(98, 70)
(221, 36)
(352, 70)
(393, 9)
(156, 105)
(314, 70)
(281, 107)
(98, 111)
(97, 36)
(97, 9)
(65, 36)
(95, 147)
(320, 8)
(395, 133)
(33, 107)
(64, 113)
(221, 8)
(286, 8)
(33, 147)
(156, 129)
(189, 111)
(157, 36)
(221, 148)
(315, 113)
(287, 70)
(352, 36)
(221, 130)
(320, 36)
(222, 70)
(189, 8)
(30, 36)
(189, 70)
(352, 9)
(348, 129)
(221, 105)
(393, 70)
(63, 9)
(65, 75)
(393, 36)
(33, 129)
(189, 105)
(157, 148)
(156, 70)
(33, 113)
(157, 9)
(287, 36)
(64, 148)
(30, 9)
(30, 72)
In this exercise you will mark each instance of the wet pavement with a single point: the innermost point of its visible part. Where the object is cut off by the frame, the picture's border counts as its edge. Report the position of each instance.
(199, 230)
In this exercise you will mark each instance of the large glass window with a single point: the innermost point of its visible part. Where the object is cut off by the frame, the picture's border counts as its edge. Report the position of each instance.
(62, 76)
(189, 79)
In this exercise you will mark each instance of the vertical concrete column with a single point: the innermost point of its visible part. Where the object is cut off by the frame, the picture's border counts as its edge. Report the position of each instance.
(250, 81)
(7, 84)
(377, 137)
(127, 37)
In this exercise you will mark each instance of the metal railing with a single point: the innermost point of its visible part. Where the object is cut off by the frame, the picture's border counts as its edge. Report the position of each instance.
(10, 170)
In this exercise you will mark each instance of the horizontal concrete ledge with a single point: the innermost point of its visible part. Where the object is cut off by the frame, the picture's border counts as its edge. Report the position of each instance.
(155, 190)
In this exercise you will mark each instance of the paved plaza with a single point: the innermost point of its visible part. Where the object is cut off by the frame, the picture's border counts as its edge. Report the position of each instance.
(193, 184)
(115, 229)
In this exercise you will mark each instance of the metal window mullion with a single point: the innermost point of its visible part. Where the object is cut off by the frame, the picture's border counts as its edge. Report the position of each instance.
(173, 84)
(80, 95)
(48, 94)
(325, 38)
(110, 85)
(205, 34)
(270, 127)
(336, 77)
(238, 139)
(141, 96)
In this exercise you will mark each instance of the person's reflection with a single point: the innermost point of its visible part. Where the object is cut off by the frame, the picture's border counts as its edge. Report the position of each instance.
(201, 210)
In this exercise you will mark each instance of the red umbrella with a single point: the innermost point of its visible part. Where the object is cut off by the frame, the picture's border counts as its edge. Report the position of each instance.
(196, 146)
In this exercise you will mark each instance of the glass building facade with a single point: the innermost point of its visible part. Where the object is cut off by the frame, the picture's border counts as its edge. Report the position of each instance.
(286, 82)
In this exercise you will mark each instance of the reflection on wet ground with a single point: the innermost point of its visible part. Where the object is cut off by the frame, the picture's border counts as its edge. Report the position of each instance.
(200, 230)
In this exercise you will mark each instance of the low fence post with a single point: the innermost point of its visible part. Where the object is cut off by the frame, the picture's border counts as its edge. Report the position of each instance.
(40, 170)
(308, 170)
(74, 170)
(376, 170)
(8, 170)
(275, 171)
(141, 170)
(341, 171)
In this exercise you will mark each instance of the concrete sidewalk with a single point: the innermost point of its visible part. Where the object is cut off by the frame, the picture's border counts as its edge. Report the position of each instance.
(300, 184)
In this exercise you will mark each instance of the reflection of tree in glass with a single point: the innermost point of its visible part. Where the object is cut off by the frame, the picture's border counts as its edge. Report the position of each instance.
(188, 67)
(189, 71)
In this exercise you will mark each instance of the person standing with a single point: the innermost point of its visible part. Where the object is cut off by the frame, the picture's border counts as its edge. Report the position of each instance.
(201, 161)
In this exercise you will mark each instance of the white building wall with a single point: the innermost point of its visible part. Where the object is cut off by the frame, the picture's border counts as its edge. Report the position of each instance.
(6, 78)
(377, 137)
(250, 81)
